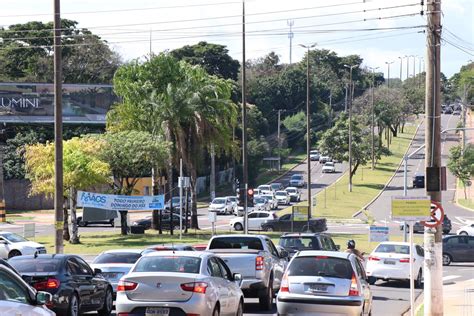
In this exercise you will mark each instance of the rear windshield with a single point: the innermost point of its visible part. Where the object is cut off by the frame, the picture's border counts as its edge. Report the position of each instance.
(260, 200)
(236, 243)
(299, 243)
(31, 265)
(291, 190)
(296, 177)
(280, 193)
(168, 264)
(321, 266)
(401, 249)
(118, 257)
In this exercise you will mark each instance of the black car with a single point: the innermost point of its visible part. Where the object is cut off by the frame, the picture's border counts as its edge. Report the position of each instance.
(293, 243)
(146, 222)
(458, 249)
(419, 181)
(419, 228)
(285, 224)
(75, 287)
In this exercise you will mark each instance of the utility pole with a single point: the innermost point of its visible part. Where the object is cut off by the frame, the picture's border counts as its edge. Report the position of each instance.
(244, 121)
(58, 132)
(151, 51)
(414, 65)
(345, 101)
(401, 65)
(373, 117)
(388, 75)
(212, 182)
(408, 64)
(350, 124)
(290, 36)
(279, 141)
(433, 269)
(3, 213)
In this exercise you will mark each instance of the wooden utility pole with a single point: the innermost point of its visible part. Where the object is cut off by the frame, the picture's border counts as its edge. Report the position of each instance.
(244, 120)
(433, 268)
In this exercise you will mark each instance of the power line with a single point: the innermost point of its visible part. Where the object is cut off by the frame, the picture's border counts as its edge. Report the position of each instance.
(458, 47)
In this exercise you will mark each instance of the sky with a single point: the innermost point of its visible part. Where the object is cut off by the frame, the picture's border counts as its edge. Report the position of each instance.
(134, 27)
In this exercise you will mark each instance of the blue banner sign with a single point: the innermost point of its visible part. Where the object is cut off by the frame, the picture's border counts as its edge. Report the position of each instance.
(379, 233)
(120, 202)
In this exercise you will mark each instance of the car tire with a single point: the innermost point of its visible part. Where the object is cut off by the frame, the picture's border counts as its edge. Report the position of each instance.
(240, 308)
(447, 259)
(238, 226)
(14, 253)
(108, 304)
(446, 231)
(269, 229)
(265, 299)
(73, 307)
(216, 311)
(112, 222)
(418, 280)
(463, 233)
(372, 280)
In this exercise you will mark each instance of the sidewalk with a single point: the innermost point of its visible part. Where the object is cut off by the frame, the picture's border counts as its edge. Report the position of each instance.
(459, 298)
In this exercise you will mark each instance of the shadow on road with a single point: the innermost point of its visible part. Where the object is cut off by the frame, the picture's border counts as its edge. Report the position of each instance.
(254, 308)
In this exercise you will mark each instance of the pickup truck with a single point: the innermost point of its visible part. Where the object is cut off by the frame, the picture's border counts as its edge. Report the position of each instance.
(255, 257)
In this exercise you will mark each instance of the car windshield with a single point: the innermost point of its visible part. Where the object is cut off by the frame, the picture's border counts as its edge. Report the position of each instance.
(280, 193)
(31, 265)
(218, 201)
(321, 266)
(264, 187)
(168, 264)
(11, 237)
(329, 164)
(314, 152)
(299, 243)
(296, 177)
(291, 190)
(117, 257)
(391, 248)
(260, 200)
(233, 198)
(276, 185)
(236, 243)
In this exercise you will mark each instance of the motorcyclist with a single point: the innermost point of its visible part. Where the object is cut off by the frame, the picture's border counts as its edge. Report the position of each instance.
(352, 249)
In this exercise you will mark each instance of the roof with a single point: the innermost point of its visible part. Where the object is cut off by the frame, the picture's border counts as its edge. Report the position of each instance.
(302, 234)
(197, 254)
(401, 243)
(240, 235)
(123, 250)
(334, 254)
(44, 256)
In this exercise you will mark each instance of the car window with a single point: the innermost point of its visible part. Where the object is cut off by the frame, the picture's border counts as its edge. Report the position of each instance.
(452, 240)
(300, 243)
(420, 251)
(117, 257)
(215, 270)
(271, 247)
(285, 217)
(83, 267)
(180, 264)
(253, 215)
(321, 266)
(38, 265)
(360, 270)
(393, 248)
(236, 243)
(331, 243)
(11, 290)
(225, 271)
(263, 215)
(72, 267)
(325, 244)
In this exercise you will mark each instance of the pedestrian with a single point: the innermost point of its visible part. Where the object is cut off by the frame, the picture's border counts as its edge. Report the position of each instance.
(351, 248)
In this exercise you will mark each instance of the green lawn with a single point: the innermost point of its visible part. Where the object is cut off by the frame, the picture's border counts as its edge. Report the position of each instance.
(469, 203)
(336, 202)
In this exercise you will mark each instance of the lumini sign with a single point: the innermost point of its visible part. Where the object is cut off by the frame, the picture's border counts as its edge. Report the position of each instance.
(19, 103)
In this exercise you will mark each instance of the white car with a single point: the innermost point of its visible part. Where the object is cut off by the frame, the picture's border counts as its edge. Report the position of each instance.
(235, 203)
(329, 167)
(261, 204)
(314, 155)
(265, 189)
(324, 159)
(221, 206)
(294, 193)
(271, 199)
(180, 283)
(256, 219)
(297, 180)
(466, 230)
(283, 197)
(391, 261)
(12, 245)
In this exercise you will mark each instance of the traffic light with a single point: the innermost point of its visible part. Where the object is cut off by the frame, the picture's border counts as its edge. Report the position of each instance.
(250, 197)
(241, 193)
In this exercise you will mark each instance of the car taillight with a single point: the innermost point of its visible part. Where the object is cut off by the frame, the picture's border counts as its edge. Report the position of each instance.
(371, 258)
(123, 286)
(285, 286)
(47, 285)
(259, 263)
(196, 287)
(405, 260)
(275, 216)
(354, 289)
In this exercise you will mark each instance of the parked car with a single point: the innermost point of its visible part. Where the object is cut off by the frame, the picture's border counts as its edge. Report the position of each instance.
(324, 159)
(458, 249)
(256, 258)
(297, 180)
(419, 228)
(255, 220)
(116, 263)
(271, 199)
(12, 245)
(96, 216)
(323, 283)
(276, 186)
(329, 167)
(176, 202)
(261, 204)
(165, 217)
(419, 181)
(222, 206)
(294, 193)
(168, 247)
(18, 298)
(265, 189)
(180, 283)
(82, 223)
(283, 197)
(75, 287)
(466, 230)
(284, 224)
(314, 155)
(391, 260)
(293, 243)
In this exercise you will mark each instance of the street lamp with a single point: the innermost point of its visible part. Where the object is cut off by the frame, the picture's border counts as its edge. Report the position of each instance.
(308, 130)
(388, 75)
(414, 65)
(350, 124)
(373, 116)
(408, 63)
(401, 64)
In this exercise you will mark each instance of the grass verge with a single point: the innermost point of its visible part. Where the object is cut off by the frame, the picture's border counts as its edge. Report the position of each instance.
(269, 176)
(467, 203)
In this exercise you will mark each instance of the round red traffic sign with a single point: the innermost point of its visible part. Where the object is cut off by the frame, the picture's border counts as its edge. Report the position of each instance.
(437, 215)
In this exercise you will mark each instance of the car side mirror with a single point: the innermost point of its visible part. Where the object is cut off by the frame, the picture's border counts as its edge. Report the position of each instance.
(43, 298)
(283, 254)
(338, 247)
(3, 242)
(237, 278)
(97, 271)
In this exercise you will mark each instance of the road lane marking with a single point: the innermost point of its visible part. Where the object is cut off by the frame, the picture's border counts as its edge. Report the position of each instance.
(451, 277)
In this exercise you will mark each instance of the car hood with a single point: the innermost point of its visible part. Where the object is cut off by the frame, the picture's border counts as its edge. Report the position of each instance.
(30, 244)
(216, 205)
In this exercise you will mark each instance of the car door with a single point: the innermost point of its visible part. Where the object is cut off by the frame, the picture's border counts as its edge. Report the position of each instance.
(470, 254)
(364, 285)
(279, 264)
(222, 288)
(79, 282)
(454, 248)
(253, 220)
(95, 282)
(4, 248)
(262, 218)
(232, 287)
(283, 223)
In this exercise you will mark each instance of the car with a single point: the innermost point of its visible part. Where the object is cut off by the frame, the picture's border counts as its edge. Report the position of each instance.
(314, 155)
(265, 189)
(180, 283)
(418, 227)
(448, 110)
(168, 247)
(176, 202)
(222, 206)
(81, 223)
(466, 230)
(391, 261)
(255, 220)
(324, 159)
(12, 245)
(75, 287)
(276, 186)
(419, 181)
(235, 203)
(297, 180)
(18, 298)
(285, 224)
(293, 243)
(116, 263)
(323, 283)
(458, 249)
(456, 112)
(294, 193)
(165, 217)
(271, 200)
(283, 197)
(329, 167)
(261, 204)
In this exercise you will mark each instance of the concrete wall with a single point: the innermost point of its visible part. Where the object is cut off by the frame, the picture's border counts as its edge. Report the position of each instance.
(17, 197)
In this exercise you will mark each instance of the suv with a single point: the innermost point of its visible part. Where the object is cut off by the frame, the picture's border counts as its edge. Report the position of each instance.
(419, 228)
(297, 180)
(419, 181)
(293, 243)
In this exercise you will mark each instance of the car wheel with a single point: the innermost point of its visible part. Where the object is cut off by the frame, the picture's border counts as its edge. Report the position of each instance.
(268, 229)
(73, 308)
(14, 253)
(446, 231)
(265, 300)
(446, 259)
(372, 280)
(108, 304)
(216, 311)
(463, 233)
(240, 309)
(418, 281)
(112, 223)
(238, 226)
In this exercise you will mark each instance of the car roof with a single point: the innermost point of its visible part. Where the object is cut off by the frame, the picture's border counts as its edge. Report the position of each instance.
(400, 243)
(334, 254)
(197, 254)
(122, 251)
(293, 188)
(59, 256)
(302, 235)
(240, 235)
(168, 246)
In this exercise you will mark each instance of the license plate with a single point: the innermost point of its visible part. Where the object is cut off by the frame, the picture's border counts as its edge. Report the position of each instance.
(389, 262)
(152, 311)
(318, 288)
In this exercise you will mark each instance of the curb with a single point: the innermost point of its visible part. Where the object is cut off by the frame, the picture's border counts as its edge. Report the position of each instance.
(419, 300)
(364, 208)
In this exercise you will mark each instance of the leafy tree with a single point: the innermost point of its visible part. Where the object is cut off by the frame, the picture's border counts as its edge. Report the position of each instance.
(82, 165)
(462, 164)
(257, 150)
(296, 129)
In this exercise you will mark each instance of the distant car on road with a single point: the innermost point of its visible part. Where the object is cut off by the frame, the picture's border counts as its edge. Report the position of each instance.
(297, 180)
(294, 193)
(165, 217)
(456, 112)
(295, 242)
(458, 249)
(314, 155)
(222, 206)
(323, 283)
(235, 203)
(283, 197)
(391, 260)
(329, 167)
(448, 110)
(466, 230)
(419, 181)
(255, 220)
(277, 186)
(419, 228)
(261, 204)
(271, 199)
(324, 159)
(284, 224)
(265, 189)
(12, 245)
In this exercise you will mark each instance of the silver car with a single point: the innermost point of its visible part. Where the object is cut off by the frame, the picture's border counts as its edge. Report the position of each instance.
(180, 283)
(324, 282)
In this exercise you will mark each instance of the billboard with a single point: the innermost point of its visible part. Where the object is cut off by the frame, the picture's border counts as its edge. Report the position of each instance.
(120, 202)
(411, 208)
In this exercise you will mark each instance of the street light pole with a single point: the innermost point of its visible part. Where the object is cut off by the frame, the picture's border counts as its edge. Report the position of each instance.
(244, 121)
(408, 63)
(350, 123)
(373, 117)
(401, 64)
(388, 75)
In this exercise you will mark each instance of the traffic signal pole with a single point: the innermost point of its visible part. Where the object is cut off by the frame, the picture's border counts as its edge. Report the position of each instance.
(244, 120)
